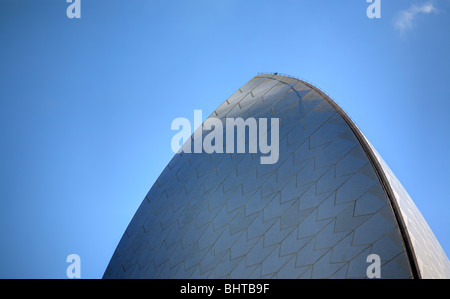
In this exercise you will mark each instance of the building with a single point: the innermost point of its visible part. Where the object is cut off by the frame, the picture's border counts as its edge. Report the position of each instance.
(328, 203)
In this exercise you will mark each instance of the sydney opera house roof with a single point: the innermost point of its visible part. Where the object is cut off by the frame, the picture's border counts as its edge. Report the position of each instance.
(328, 203)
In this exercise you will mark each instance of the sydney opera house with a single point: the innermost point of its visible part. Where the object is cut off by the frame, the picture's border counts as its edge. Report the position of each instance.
(328, 203)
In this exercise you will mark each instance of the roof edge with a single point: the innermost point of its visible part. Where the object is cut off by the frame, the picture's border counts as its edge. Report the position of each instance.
(411, 256)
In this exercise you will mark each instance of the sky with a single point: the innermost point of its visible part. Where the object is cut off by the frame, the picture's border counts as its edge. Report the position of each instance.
(86, 105)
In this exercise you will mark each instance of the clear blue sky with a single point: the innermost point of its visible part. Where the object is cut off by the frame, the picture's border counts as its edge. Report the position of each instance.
(86, 104)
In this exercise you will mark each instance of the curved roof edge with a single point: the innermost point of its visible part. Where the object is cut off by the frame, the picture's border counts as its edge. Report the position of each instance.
(368, 149)
(432, 262)
(429, 260)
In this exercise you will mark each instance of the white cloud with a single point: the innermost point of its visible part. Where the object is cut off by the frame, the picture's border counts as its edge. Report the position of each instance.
(406, 18)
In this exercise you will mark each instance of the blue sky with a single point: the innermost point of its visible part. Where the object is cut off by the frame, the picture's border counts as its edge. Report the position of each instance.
(86, 104)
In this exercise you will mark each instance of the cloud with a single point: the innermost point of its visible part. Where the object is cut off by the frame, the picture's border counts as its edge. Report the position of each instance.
(406, 18)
